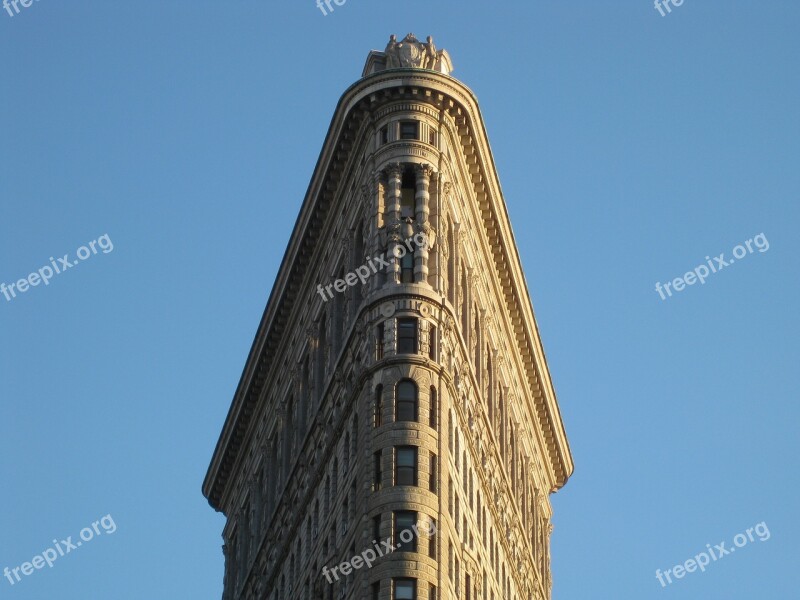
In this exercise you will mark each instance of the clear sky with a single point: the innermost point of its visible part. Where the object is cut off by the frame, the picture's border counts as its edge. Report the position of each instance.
(630, 146)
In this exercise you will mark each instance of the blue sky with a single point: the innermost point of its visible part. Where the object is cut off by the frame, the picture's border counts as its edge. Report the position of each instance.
(629, 145)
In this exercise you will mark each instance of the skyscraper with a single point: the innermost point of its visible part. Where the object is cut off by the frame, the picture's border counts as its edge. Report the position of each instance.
(395, 433)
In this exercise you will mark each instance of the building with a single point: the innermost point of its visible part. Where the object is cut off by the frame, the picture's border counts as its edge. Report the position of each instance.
(395, 433)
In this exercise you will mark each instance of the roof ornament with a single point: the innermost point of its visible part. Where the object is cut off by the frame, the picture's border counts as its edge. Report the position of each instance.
(409, 53)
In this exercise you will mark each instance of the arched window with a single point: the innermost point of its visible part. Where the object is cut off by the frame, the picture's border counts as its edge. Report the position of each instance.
(406, 402)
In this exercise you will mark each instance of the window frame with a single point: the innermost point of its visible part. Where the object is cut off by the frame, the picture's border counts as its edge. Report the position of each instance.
(414, 467)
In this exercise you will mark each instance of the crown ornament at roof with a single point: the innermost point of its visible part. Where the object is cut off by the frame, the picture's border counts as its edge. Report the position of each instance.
(409, 53)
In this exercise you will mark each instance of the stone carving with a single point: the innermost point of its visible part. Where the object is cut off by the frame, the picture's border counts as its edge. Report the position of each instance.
(411, 53)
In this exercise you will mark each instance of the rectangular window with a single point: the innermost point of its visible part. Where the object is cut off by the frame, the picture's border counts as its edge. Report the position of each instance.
(434, 408)
(406, 336)
(405, 589)
(385, 134)
(450, 496)
(433, 474)
(458, 578)
(406, 404)
(409, 130)
(432, 343)
(376, 590)
(432, 539)
(432, 592)
(379, 341)
(377, 417)
(377, 471)
(405, 472)
(432, 137)
(407, 268)
(404, 521)
(407, 203)
(376, 528)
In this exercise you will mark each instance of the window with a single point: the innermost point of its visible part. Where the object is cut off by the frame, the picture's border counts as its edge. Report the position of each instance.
(409, 130)
(407, 268)
(450, 567)
(377, 472)
(434, 408)
(407, 200)
(404, 536)
(379, 341)
(376, 590)
(432, 343)
(377, 416)
(433, 474)
(432, 137)
(376, 528)
(405, 589)
(406, 403)
(432, 539)
(406, 336)
(385, 134)
(450, 496)
(458, 577)
(450, 431)
(405, 472)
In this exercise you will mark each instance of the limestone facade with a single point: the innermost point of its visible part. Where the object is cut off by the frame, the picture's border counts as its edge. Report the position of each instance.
(422, 394)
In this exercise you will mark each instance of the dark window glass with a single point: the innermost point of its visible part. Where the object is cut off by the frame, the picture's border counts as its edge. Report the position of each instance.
(385, 134)
(404, 520)
(379, 339)
(405, 589)
(377, 417)
(406, 466)
(406, 403)
(407, 268)
(434, 408)
(407, 336)
(409, 130)
(377, 471)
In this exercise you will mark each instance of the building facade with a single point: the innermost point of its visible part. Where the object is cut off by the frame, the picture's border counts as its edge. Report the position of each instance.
(395, 433)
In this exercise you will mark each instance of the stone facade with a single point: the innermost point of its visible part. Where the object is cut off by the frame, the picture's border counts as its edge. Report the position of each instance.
(422, 394)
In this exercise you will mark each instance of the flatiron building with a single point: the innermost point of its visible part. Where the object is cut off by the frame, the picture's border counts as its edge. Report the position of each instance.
(395, 433)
